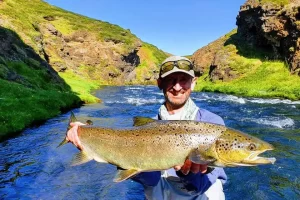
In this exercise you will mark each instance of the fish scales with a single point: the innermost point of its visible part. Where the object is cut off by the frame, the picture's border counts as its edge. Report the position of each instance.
(169, 143)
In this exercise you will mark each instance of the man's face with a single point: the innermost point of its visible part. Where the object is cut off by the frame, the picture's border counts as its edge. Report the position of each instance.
(177, 88)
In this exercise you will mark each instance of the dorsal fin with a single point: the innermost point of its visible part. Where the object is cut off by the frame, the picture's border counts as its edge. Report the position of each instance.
(140, 121)
(89, 122)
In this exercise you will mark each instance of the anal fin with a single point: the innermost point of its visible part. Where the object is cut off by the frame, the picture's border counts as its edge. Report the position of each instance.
(125, 174)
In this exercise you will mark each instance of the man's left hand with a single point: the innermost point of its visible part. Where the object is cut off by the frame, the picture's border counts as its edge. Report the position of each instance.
(190, 166)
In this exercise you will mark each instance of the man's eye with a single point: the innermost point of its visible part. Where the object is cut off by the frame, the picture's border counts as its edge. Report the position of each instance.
(183, 80)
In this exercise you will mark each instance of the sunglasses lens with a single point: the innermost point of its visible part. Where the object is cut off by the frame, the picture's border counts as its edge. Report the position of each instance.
(181, 64)
(184, 64)
(168, 66)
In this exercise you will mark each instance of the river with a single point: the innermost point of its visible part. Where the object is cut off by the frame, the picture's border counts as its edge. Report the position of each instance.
(32, 167)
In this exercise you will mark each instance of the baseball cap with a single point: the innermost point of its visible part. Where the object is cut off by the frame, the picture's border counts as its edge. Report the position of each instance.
(176, 64)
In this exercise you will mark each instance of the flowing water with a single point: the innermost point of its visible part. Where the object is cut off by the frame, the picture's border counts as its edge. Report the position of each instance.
(31, 167)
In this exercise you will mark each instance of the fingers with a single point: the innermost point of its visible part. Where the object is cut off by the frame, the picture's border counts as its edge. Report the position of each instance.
(76, 123)
(185, 169)
(195, 168)
(203, 169)
(72, 134)
(190, 166)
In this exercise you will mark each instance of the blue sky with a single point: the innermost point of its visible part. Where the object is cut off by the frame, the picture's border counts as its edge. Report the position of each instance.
(177, 27)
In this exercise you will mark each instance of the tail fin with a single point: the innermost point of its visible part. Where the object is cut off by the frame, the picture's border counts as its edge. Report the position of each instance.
(72, 119)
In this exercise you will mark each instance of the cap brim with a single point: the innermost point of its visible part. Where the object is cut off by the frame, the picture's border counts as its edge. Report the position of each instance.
(175, 69)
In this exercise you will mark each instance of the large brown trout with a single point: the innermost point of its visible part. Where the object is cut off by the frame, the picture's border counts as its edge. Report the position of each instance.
(155, 145)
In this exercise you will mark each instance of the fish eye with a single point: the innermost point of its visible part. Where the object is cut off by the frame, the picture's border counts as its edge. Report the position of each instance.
(252, 147)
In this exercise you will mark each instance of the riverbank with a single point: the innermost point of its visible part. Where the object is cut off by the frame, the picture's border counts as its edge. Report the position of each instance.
(23, 106)
(270, 79)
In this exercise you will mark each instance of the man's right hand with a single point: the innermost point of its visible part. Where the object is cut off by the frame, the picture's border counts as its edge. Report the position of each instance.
(72, 134)
(190, 166)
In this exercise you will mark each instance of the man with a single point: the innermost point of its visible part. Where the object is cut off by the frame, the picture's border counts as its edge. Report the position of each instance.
(190, 181)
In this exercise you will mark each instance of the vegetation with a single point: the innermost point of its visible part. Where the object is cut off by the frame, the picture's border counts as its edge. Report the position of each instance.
(35, 98)
(81, 86)
(258, 73)
(31, 98)
(277, 2)
(271, 79)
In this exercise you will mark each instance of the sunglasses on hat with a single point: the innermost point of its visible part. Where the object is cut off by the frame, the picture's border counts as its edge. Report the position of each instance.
(180, 64)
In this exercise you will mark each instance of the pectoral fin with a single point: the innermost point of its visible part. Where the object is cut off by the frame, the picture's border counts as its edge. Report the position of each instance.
(125, 174)
(196, 157)
(81, 158)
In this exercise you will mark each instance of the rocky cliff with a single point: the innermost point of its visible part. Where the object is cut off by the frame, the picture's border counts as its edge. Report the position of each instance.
(268, 30)
(273, 26)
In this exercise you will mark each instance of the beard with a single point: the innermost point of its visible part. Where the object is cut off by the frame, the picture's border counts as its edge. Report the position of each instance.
(174, 101)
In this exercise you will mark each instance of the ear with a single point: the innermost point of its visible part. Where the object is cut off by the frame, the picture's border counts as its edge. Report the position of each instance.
(159, 83)
(194, 81)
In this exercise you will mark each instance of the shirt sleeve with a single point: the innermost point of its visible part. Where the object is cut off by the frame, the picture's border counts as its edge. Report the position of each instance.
(148, 178)
(201, 182)
(207, 116)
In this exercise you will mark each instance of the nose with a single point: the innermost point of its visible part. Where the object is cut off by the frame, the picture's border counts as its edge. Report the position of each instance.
(176, 85)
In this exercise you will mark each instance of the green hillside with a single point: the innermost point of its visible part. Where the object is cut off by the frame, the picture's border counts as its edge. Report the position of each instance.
(38, 77)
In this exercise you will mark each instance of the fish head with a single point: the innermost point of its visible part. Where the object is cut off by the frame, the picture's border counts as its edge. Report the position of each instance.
(234, 148)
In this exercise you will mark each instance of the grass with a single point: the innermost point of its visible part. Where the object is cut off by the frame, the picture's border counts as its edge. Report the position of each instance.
(35, 97)
(271, 79)
(22, 106)
(81, 86)
(277, 2)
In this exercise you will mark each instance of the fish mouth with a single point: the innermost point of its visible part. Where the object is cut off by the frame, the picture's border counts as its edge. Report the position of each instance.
(254, 159)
